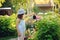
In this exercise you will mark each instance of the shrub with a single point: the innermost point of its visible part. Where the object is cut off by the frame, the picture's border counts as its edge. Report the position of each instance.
(7, 26)
(48, 28)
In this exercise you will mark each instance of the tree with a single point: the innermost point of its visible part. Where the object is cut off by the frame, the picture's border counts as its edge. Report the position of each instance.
(7, 3)
(1, 2)
(18, 4)
(59, 1)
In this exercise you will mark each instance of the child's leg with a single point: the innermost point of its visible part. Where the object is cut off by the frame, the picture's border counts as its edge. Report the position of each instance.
(21, 37)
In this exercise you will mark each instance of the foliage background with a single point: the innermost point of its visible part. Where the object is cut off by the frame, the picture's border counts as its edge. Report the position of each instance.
(48, 28)
(7, 25)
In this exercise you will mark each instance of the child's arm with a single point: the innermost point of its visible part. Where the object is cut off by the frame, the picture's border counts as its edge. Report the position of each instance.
(17, 23)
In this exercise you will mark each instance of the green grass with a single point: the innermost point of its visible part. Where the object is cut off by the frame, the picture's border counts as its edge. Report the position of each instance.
(7, 38)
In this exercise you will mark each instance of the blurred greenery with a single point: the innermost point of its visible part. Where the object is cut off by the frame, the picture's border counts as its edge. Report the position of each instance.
(7, 25)
(48, 28)
(8, 38)
(7, 3)
(16, 4)
(1, 2)
(36, 9)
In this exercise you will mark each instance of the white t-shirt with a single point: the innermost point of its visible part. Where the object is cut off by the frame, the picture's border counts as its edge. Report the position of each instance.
(21, 26)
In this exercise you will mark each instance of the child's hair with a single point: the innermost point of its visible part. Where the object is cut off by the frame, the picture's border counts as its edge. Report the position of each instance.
(20, 16)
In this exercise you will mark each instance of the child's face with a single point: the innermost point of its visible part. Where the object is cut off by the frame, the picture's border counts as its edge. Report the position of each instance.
(20, 16)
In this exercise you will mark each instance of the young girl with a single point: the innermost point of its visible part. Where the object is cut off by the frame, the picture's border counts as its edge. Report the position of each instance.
(20, 24)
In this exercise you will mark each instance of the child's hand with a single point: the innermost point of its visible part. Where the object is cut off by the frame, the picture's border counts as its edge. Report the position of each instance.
(19, 34)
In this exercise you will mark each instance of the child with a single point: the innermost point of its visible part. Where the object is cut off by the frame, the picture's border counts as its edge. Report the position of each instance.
(20, 24)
